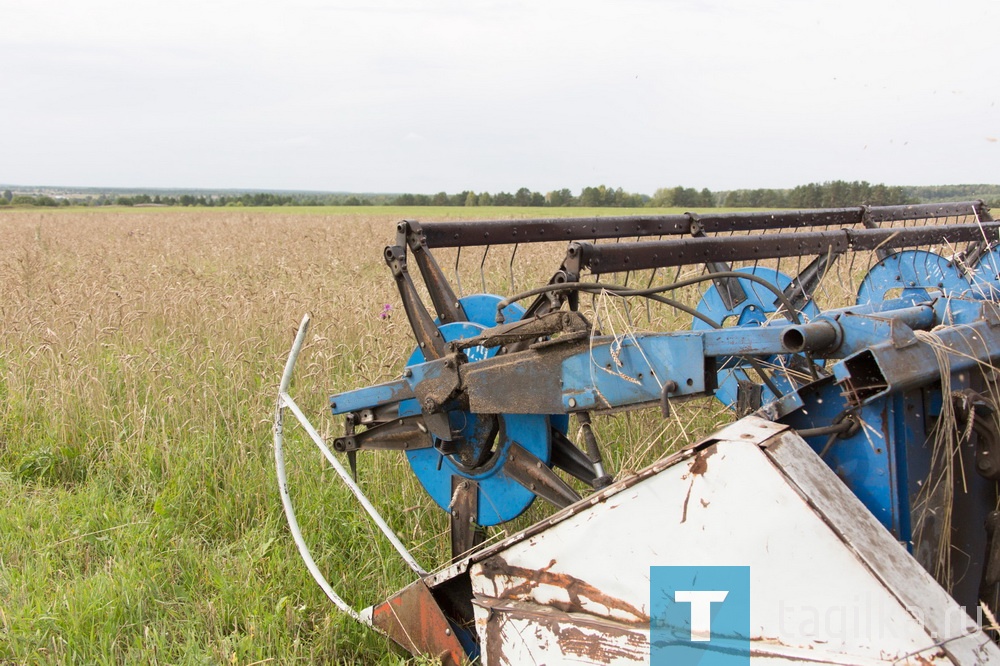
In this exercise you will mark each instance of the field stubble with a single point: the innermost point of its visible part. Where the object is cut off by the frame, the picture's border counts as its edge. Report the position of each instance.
(139, 515)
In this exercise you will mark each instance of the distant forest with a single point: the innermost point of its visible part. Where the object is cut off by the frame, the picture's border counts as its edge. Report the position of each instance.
(831, 194)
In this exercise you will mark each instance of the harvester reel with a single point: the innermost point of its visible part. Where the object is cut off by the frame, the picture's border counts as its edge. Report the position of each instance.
(491, 445)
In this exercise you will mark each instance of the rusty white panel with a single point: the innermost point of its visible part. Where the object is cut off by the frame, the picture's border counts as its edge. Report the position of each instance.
(555, 636)
(727, 505)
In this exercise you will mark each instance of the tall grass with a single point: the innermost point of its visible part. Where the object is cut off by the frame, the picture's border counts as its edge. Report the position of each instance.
(139, 513)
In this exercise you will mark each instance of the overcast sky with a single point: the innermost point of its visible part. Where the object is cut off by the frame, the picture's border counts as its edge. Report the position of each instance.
(424, 96)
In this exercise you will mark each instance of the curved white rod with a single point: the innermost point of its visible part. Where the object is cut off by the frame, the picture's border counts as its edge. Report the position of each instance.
(284, 400)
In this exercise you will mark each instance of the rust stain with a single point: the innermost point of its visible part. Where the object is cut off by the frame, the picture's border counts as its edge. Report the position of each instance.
(687, 498)
(599, 648)
(698, 467)
(700, 464)
(600, 644)
(493, 649)
(577, 590)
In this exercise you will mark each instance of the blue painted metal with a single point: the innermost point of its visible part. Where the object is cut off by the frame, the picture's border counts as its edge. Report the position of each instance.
(500, 497)
(865, 462)
(616, 372)
(919, 271)
(903, 363)
(760, 304)
(370, 397)
(985, 276)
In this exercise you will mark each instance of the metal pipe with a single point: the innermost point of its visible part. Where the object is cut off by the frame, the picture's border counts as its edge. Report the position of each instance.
(820, 335)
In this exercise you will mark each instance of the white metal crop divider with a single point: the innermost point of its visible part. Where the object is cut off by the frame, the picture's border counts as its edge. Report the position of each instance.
(285, 400)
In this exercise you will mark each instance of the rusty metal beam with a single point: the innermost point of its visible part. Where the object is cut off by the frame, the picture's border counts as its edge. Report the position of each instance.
(612, 258)
(507, 232)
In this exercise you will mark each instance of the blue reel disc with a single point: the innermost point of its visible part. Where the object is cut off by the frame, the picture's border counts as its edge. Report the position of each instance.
(754, 311)
(490, 437)
(913, 273)
(984, 280)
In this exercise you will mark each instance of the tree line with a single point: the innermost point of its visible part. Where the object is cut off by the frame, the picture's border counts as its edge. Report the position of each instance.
(830, 194)
(833, 194)
(589, 197)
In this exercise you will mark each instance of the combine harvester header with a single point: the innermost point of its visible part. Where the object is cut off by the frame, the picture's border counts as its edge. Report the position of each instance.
(848, 513)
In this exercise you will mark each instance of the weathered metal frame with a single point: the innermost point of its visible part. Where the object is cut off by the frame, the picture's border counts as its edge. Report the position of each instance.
(542, 230)
(885, 376)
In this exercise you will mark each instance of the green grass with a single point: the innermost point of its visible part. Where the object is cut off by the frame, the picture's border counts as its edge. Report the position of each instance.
(139, 515)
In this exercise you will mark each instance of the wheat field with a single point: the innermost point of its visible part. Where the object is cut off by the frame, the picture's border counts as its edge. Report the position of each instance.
(140, 520)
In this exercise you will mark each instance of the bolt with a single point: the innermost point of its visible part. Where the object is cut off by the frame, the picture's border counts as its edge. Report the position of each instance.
(572, 403)
(430, 404)
(447, 632)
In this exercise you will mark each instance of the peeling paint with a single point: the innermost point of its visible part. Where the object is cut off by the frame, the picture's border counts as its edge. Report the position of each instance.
(583, 597)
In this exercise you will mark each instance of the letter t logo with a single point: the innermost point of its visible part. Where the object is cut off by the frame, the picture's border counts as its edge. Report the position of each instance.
(701, 610)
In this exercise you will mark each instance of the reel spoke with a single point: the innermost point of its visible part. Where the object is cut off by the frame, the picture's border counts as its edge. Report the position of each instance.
(567, 457)
(465, 533)
(525, 468)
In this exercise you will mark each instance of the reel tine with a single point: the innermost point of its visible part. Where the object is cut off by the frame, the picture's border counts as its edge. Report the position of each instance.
(513, 254)
(458, 276)
(352, 460)
(652, 276)
(482, 272)
(350, 428)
